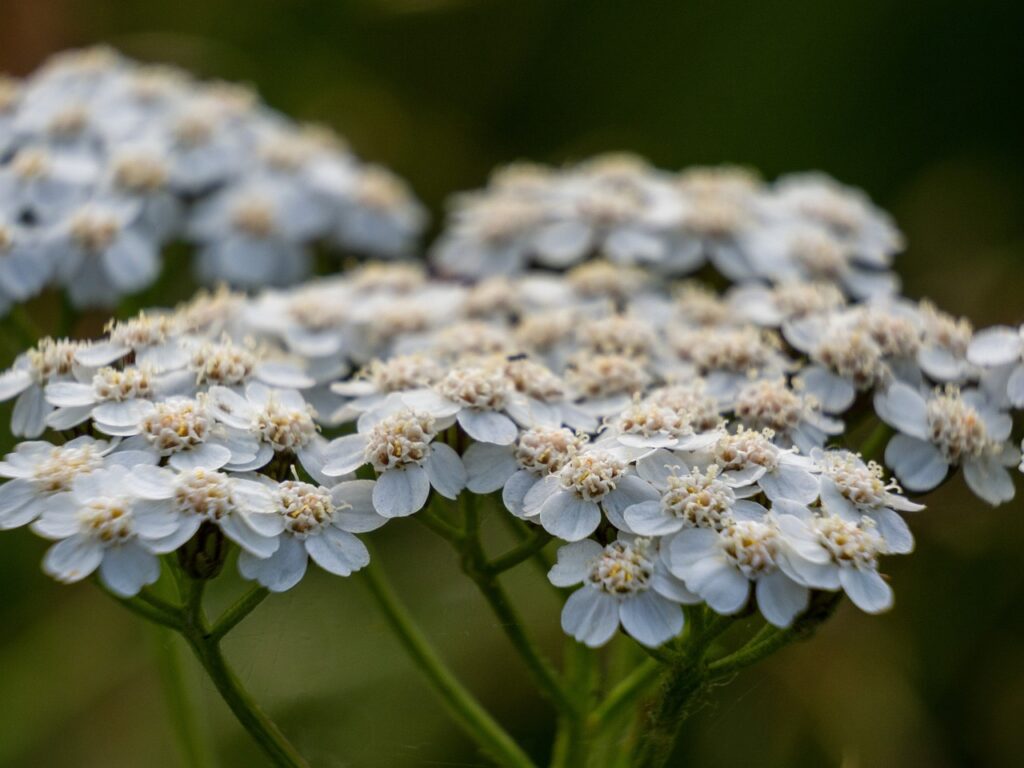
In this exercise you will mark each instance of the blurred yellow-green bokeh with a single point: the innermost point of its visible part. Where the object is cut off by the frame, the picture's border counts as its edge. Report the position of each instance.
(917, 102)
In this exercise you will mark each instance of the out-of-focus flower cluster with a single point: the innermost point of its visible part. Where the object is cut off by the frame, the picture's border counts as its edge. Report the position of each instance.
(617, 207)
(105, 161)
(686, 445)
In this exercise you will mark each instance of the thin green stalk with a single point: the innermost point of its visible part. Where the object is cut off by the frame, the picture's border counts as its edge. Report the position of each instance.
(181, 704)
(683, 688)
(474, 564)
(770, 639)
(190, 621)
(468, 712)
(438, 525)
(25, 326)
(874, 445)
(626, 693)
(572, 741)
(522, 531)
(237, 612)
(262, 729)
(681, 693)
(520, 553)
(162, 617)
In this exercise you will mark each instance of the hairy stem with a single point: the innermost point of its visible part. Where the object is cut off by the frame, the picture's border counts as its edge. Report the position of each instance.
(468, 712)
(770, 639)
(625, 693)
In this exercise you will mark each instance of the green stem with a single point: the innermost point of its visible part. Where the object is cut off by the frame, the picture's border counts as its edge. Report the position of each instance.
(626, 692)
(473, 718)
(682, 690)
(262, 729)
(572, 740)
(520, 553)
(681, 693)
(441, 527)
(181, 705)
(25, 326)
(770, 639)
(237, 612)
(874, 445)
(190, 621)
(165, 618)
(474, 564)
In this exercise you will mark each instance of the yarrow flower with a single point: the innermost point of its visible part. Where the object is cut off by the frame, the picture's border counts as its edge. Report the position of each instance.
(688, 449)
(104, 161)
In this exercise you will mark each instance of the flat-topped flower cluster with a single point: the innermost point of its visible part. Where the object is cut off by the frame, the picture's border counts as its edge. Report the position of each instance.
(686, 446)
(803, 226)
(105, 161)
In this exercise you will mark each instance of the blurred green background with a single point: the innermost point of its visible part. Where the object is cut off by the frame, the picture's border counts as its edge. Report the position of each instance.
(917, 102)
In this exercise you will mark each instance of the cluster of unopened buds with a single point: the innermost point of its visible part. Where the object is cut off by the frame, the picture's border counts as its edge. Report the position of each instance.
(682, 452)
(105, 162)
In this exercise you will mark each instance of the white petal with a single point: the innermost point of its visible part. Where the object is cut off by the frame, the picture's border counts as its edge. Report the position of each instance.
(445, 470)
(590, 616)
(120, 418)
(14, 496)
(835, 393)
(154, 519)
(209, 456)
(128, 568)
(30, 411)
(648, 519)
(345, 454)
(781, 599)
(517, 489)
(720, 584)
(867, 589)
(401, 491)
(670, 586)
(574, 562)
(539, 494)
(689, 547)
(69, 394)
(237, 529)
(790, 482)
(13, 382)
(73, 559)
(650, 618)
(488, 426)
(279, 572)
(569, 517)
(65, 418)
(355, 513)
(149, 482)
(488, 467)
(989, 480)
(1015, 387)
(103, 353)
(430, 401)
(337, 552)
(995, 346)
(901, 406)
(919, 465)
(657, 467)
(629, 490)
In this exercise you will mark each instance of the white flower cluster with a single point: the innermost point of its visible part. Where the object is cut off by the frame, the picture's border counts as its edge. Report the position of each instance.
(686, 446)
(104, 161)
(617, 207)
